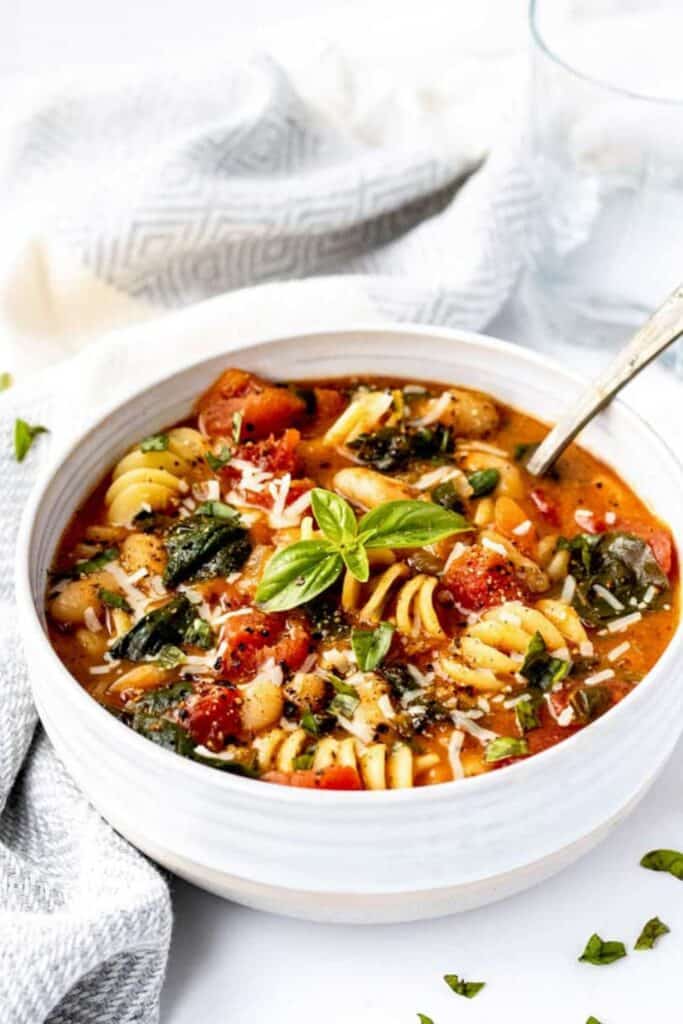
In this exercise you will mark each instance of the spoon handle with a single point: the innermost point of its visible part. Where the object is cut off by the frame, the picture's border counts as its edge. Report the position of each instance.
(661, 330)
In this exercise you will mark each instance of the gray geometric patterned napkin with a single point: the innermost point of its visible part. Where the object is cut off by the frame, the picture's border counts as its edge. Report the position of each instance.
(177, 191)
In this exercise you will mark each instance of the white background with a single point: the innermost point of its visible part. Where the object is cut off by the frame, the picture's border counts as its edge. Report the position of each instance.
(232, 965)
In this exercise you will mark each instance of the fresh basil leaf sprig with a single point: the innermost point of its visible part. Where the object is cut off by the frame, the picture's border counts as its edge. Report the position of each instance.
(371, 645)
(304, 569)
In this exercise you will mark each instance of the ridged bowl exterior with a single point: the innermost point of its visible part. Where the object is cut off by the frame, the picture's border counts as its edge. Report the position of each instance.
(357, 856)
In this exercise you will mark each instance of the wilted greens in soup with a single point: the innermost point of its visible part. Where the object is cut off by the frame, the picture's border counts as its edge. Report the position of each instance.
(355, 584)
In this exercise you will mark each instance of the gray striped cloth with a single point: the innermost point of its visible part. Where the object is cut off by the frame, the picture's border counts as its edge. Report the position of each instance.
(181, 191)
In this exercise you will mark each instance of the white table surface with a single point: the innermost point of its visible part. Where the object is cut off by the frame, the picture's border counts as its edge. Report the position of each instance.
(230, 964)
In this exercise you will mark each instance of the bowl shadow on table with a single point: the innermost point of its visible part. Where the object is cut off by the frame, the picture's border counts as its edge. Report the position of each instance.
(606, 891)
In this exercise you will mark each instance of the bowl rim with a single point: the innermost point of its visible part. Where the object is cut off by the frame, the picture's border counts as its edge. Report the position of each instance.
(31, 628)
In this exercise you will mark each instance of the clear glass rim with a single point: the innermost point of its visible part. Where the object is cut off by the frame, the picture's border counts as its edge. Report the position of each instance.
(601, 83)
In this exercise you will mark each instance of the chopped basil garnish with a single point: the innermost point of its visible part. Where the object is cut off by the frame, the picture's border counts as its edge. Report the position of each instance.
(483, 482)
(303, 570)
(527, 712)
(113, 600)
(217, 509)
(505, 746)
(220, 461)
(446, 495)
(345, 700)
(90, 565)
(170, 656)
(542, 670)
(303, 761)
(317, 725)
(371, 645)
(652, 931)
(664, 860)
(589, 702)
(600, 953)
(24, 436)
(200, 634)
(155, 443)
(468, 989)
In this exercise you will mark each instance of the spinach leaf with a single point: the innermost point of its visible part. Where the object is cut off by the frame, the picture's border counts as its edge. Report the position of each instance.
(161, 699)
(540, 668)
(503, 747)
(392, 448)
(483, 482)
(204, 546)
(165, 733)
(468, 989)
(165, 625)
(652, 930)
(326, 618)
(446, 495)
(600, 953)
(154, 443)
(589, 702)
(620, 563)
(371, 645)
(664, 860)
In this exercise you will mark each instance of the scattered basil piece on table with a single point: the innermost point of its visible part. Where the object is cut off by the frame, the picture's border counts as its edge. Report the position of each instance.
(600, 952)
(652, 930)
(468, 989)
(5, 381)
(664, 860)
(24, 436)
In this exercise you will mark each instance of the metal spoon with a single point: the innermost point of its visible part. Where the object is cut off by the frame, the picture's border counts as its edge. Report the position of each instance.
(663, 328)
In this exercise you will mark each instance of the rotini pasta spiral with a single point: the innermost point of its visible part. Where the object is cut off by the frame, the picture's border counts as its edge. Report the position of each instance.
(494, 647)
(152, 478)
(378, 765)
(415, 613)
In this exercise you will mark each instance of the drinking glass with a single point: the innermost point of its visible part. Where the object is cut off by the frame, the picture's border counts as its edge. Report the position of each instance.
(606, 153)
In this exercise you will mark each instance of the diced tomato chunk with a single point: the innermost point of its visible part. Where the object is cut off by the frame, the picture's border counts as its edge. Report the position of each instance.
(334, 777)
(482, 579)
(657, 537)
(546, 506)
(265, 409)
(272, 455)
(214, 716)
(256, 636)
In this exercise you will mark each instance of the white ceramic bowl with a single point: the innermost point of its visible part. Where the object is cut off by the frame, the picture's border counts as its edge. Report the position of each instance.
(357, 857)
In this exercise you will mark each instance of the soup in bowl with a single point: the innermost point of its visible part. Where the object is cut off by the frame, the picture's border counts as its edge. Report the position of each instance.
(314, 639)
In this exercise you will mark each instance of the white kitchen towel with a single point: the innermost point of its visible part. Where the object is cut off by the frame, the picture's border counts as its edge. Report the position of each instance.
(136, 199)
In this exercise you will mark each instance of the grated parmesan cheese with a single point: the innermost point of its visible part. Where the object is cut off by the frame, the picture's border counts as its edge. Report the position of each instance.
(136, 599)
(619, 625)
(523, 528)
(568, 589)
(610, 518)
(493, 546)
(461, 720)
(455, 743)
(599, 677)
(649, 594)
(457, 550)
(618, 652)
(608, 597)
(91, 621)
(437, 409)
(565, 717)
(586, 649)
